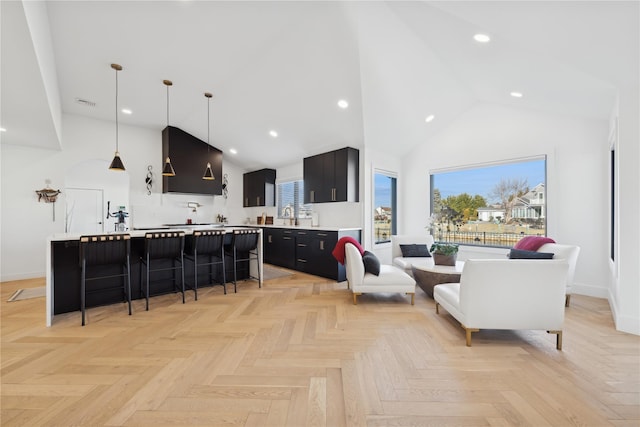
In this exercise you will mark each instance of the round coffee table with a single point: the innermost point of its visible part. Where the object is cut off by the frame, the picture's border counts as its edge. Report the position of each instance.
(428, 276)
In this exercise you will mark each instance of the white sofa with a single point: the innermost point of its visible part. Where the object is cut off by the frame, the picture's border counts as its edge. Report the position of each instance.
(507, 294)
(570, 254)
(390, 279)
(405, 239)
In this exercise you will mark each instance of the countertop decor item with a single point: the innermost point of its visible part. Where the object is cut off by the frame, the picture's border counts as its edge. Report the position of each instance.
(208, 173)
(168, 169)
(116, 163)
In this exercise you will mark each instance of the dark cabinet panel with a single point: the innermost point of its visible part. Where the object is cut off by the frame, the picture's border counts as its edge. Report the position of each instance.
(189, 156)
(259, 188)
(309, 251)
(332, 177)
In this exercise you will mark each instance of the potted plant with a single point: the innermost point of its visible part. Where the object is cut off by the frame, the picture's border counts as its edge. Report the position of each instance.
(444, 253)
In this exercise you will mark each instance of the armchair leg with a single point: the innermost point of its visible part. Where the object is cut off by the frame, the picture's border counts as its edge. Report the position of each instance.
(437, 308)
(567, 299)
(468, 334)
(355, 298)
(558, 338)
(413, 298)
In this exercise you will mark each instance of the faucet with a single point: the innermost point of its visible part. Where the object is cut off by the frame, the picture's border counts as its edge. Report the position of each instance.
(290, 210)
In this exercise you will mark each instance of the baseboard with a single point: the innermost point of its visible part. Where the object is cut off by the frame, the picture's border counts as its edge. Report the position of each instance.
(22, 276)
(590, 291)
(626, 324)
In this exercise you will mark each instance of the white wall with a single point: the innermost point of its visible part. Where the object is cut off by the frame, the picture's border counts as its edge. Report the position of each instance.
(26, 224)
(623, 275)
(576, 175)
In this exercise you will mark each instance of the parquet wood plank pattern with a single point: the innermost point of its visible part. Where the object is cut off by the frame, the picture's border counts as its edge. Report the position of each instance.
(297, 352)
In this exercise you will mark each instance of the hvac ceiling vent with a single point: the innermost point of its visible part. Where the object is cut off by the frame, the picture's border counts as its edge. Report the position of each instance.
(85, 102)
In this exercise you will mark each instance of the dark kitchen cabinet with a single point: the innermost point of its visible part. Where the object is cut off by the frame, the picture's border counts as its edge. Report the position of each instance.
(189, 156)
(305, 250)
(279, 247)
(332, 176)
(259, 188)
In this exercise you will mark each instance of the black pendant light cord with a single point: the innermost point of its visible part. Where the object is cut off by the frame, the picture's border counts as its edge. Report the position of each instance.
(117, 148)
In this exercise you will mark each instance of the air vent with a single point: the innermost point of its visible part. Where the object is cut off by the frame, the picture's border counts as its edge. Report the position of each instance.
(85, 102)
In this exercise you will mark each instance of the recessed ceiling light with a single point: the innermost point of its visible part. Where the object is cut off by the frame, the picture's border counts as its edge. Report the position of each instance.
(516, 94)
(343, 103)
(429, 118)
(273, 133)
(482, 38)
(3, 130)
(126, 111)
(233, 151)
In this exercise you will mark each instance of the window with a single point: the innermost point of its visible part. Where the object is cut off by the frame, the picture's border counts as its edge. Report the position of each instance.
(290, 195)
(384, 207)
(489, 205)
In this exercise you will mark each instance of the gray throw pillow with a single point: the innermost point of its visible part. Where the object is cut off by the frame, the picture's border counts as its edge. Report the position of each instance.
(521, 254)
(413, 251)
(371, 263)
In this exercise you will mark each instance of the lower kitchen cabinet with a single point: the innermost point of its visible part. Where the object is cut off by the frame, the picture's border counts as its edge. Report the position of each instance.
(306, 250)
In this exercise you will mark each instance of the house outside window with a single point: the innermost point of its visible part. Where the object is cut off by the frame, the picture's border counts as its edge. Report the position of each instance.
(384, 206)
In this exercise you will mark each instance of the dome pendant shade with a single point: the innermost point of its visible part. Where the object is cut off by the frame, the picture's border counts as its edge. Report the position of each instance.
(168, 169)
(208, 173)
(116, 164)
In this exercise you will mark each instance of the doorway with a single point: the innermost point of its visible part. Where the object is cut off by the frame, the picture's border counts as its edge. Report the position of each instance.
(84, 211)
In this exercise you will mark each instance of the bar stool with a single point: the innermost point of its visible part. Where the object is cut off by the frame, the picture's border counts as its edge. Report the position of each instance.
(162, 246)
(206, 247)
(244, 247)
(103, 250)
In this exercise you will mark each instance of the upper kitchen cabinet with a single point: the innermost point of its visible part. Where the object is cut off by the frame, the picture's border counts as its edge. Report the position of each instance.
(189, 156)
(259, 188)
(332, 176)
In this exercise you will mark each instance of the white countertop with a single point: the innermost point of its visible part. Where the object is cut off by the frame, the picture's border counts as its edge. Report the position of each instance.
(307, 227)
(188, 229)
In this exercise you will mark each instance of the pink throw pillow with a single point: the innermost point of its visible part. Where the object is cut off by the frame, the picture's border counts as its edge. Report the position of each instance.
(532, 243)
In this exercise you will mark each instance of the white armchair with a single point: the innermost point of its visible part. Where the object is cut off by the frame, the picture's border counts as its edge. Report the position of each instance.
(390, 279)
(406, 263)
(568, 253)
(507, 294)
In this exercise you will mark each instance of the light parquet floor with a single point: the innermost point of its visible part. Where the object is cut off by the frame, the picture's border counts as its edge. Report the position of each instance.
(298, 353)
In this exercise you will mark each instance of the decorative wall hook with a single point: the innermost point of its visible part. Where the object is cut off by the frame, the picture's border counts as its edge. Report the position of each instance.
(149, 179)
(225, 185)
(48, 195)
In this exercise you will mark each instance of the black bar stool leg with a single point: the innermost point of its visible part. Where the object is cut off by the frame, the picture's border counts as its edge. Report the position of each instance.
(195, 275)
(129, 284)
(83, 288)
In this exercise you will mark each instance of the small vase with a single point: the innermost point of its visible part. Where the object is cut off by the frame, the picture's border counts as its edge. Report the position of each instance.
(439, 259)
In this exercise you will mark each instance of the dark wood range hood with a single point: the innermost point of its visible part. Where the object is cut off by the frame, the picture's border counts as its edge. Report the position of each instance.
(189, 157)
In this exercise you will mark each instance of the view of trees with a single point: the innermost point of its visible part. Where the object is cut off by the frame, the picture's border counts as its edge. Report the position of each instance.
(461, 208)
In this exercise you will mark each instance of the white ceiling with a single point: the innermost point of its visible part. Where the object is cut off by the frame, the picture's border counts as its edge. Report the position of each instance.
(284, 66)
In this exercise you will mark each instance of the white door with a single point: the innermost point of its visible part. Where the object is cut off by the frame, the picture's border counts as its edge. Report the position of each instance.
(85, 211)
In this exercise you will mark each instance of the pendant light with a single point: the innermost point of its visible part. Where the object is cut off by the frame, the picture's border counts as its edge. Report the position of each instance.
(208, 173)
(168, 169)
(116, 164)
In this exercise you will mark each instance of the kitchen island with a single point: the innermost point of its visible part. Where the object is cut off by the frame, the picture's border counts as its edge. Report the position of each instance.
(63, 269)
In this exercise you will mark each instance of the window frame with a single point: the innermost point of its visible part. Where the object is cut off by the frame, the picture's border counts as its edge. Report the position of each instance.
(394, 204)
(510, 239)
(301, 210)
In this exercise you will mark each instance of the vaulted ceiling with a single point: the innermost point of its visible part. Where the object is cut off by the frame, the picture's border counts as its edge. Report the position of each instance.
(283, 66)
